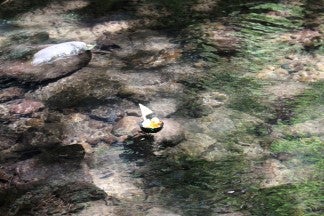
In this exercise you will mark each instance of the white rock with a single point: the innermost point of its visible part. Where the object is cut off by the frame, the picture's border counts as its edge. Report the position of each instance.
(59, 51)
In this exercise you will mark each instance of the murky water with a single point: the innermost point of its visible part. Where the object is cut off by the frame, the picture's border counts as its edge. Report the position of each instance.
(239, 86)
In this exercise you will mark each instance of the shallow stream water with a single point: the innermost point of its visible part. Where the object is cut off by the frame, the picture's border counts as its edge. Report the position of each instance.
(238, 84)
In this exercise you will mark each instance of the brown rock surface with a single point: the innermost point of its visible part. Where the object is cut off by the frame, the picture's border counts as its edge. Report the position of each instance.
(22, 72)
(26, 107)
(129, 125)
(10, 93)
(171, 134)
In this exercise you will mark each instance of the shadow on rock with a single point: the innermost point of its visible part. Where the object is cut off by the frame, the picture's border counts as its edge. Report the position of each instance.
(24, 73)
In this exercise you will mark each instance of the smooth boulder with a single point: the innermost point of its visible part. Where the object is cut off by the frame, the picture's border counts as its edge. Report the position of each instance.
(45, 66)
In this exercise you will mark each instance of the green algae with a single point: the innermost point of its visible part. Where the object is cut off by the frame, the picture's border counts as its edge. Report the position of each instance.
(291, 10)
(260, 32)
(309, 105)
(277, 23)
(290, 199)
(302, 196)
(200, 187)
(308, 150)
(243, 91)
(259, 47)
(176, 14)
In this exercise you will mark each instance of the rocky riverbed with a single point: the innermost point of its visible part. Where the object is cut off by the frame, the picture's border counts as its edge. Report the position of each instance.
(238, 85)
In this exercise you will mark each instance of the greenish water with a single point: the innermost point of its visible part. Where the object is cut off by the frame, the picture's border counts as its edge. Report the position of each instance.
(226, 185)
(233, 180)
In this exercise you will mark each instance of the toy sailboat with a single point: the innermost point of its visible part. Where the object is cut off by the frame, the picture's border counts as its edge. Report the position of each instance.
(150, 123)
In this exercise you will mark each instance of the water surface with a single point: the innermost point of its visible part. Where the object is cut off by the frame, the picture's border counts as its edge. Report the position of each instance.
(240, 82)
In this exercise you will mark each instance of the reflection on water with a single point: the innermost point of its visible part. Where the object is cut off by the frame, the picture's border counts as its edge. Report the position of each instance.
(239, 85)
(7, 26)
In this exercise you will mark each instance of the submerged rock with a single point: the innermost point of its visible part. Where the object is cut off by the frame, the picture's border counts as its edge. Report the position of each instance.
(53, 189)
(13, 111)
(21, 45)
(25, 72)
(80, 129)
(160, 211)
(8, 138)
(39, 162)
(83, 88)
(300, 68)
(171, 134)
(10, 93)
(276, 173)
(197, 144)
(211, 100)
(224, 40)
(272, 73)
(50, 135)
(164, 107)
(308, 38)
(32, 37)
(129, 126)
(308, 128)
(26, 107)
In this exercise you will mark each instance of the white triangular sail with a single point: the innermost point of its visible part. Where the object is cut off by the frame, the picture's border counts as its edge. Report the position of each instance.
(145, 111)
